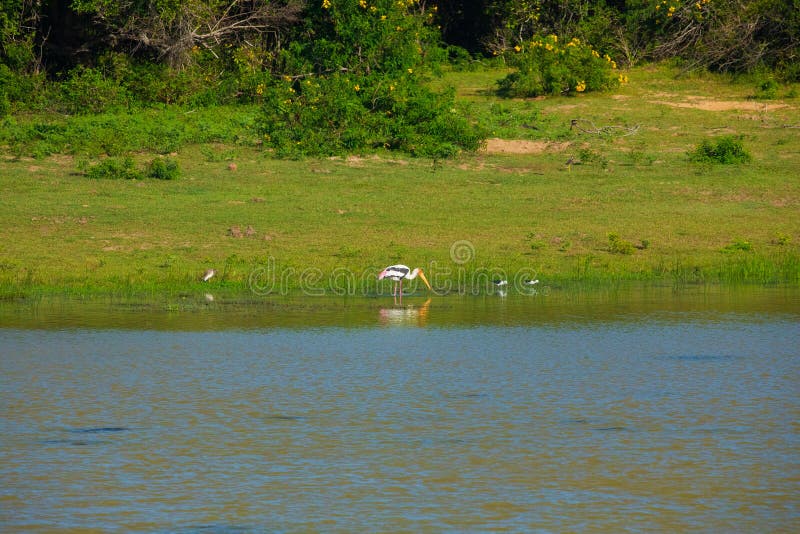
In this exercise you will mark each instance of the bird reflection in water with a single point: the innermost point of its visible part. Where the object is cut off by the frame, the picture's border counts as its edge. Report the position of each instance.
(408, 315)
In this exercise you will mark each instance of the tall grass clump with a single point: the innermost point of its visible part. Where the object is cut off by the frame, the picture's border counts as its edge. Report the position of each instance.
(546, 67)
(775, 269)
(726, 150)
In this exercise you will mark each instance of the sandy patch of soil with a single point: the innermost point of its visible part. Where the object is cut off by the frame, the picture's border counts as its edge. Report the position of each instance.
(721, 105)
(520, 146)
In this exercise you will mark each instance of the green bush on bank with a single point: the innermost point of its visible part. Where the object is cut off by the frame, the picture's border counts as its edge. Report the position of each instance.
(360, 85)
(340, 113)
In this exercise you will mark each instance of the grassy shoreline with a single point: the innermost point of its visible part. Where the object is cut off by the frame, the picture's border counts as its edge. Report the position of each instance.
(514, 212)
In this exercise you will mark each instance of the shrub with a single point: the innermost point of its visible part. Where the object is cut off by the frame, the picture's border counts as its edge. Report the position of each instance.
(341, 113)
(115, 168)
(163, 169)
(543, 67)
(726, 150)
(616, 245)
(767, 89)
(87, 90)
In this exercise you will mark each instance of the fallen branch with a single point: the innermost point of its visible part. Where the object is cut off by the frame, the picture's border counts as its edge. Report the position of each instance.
(607, 130)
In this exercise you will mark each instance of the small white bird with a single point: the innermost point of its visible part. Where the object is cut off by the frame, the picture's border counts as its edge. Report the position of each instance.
(500, 283)
(398, 273)
(209, 274)
(531, 282)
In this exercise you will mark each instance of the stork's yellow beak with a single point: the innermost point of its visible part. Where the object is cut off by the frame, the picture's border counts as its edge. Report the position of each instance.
(422, 275)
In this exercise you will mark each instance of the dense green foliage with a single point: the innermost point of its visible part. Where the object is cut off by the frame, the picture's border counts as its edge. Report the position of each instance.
(336, 76)
(158, 131)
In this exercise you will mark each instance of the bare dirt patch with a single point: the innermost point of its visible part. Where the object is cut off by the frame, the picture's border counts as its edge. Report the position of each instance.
(706, 104)
(521, 146)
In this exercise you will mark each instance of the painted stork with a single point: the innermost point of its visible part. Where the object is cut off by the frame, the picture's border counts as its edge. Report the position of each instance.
(398, 273)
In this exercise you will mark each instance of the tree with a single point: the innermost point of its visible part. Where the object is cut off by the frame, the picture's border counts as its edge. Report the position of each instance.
(19, 20)
(169, 30)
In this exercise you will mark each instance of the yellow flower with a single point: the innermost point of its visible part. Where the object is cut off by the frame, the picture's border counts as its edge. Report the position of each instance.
(613, 64)
(391, 87)
(383, 17)
(260, 89)
(362, 3)
(581, 87)
(411, 71)
(326, 4)
(357, 87)
(548, 46)
(672, 9)
(518, 48)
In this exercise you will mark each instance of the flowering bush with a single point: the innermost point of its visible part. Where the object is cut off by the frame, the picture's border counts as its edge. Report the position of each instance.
(545, 66)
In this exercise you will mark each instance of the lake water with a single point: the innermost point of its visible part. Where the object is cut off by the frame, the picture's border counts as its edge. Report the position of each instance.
(653, 411)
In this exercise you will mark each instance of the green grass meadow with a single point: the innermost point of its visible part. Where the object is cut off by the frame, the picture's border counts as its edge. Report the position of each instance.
(330, 224)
